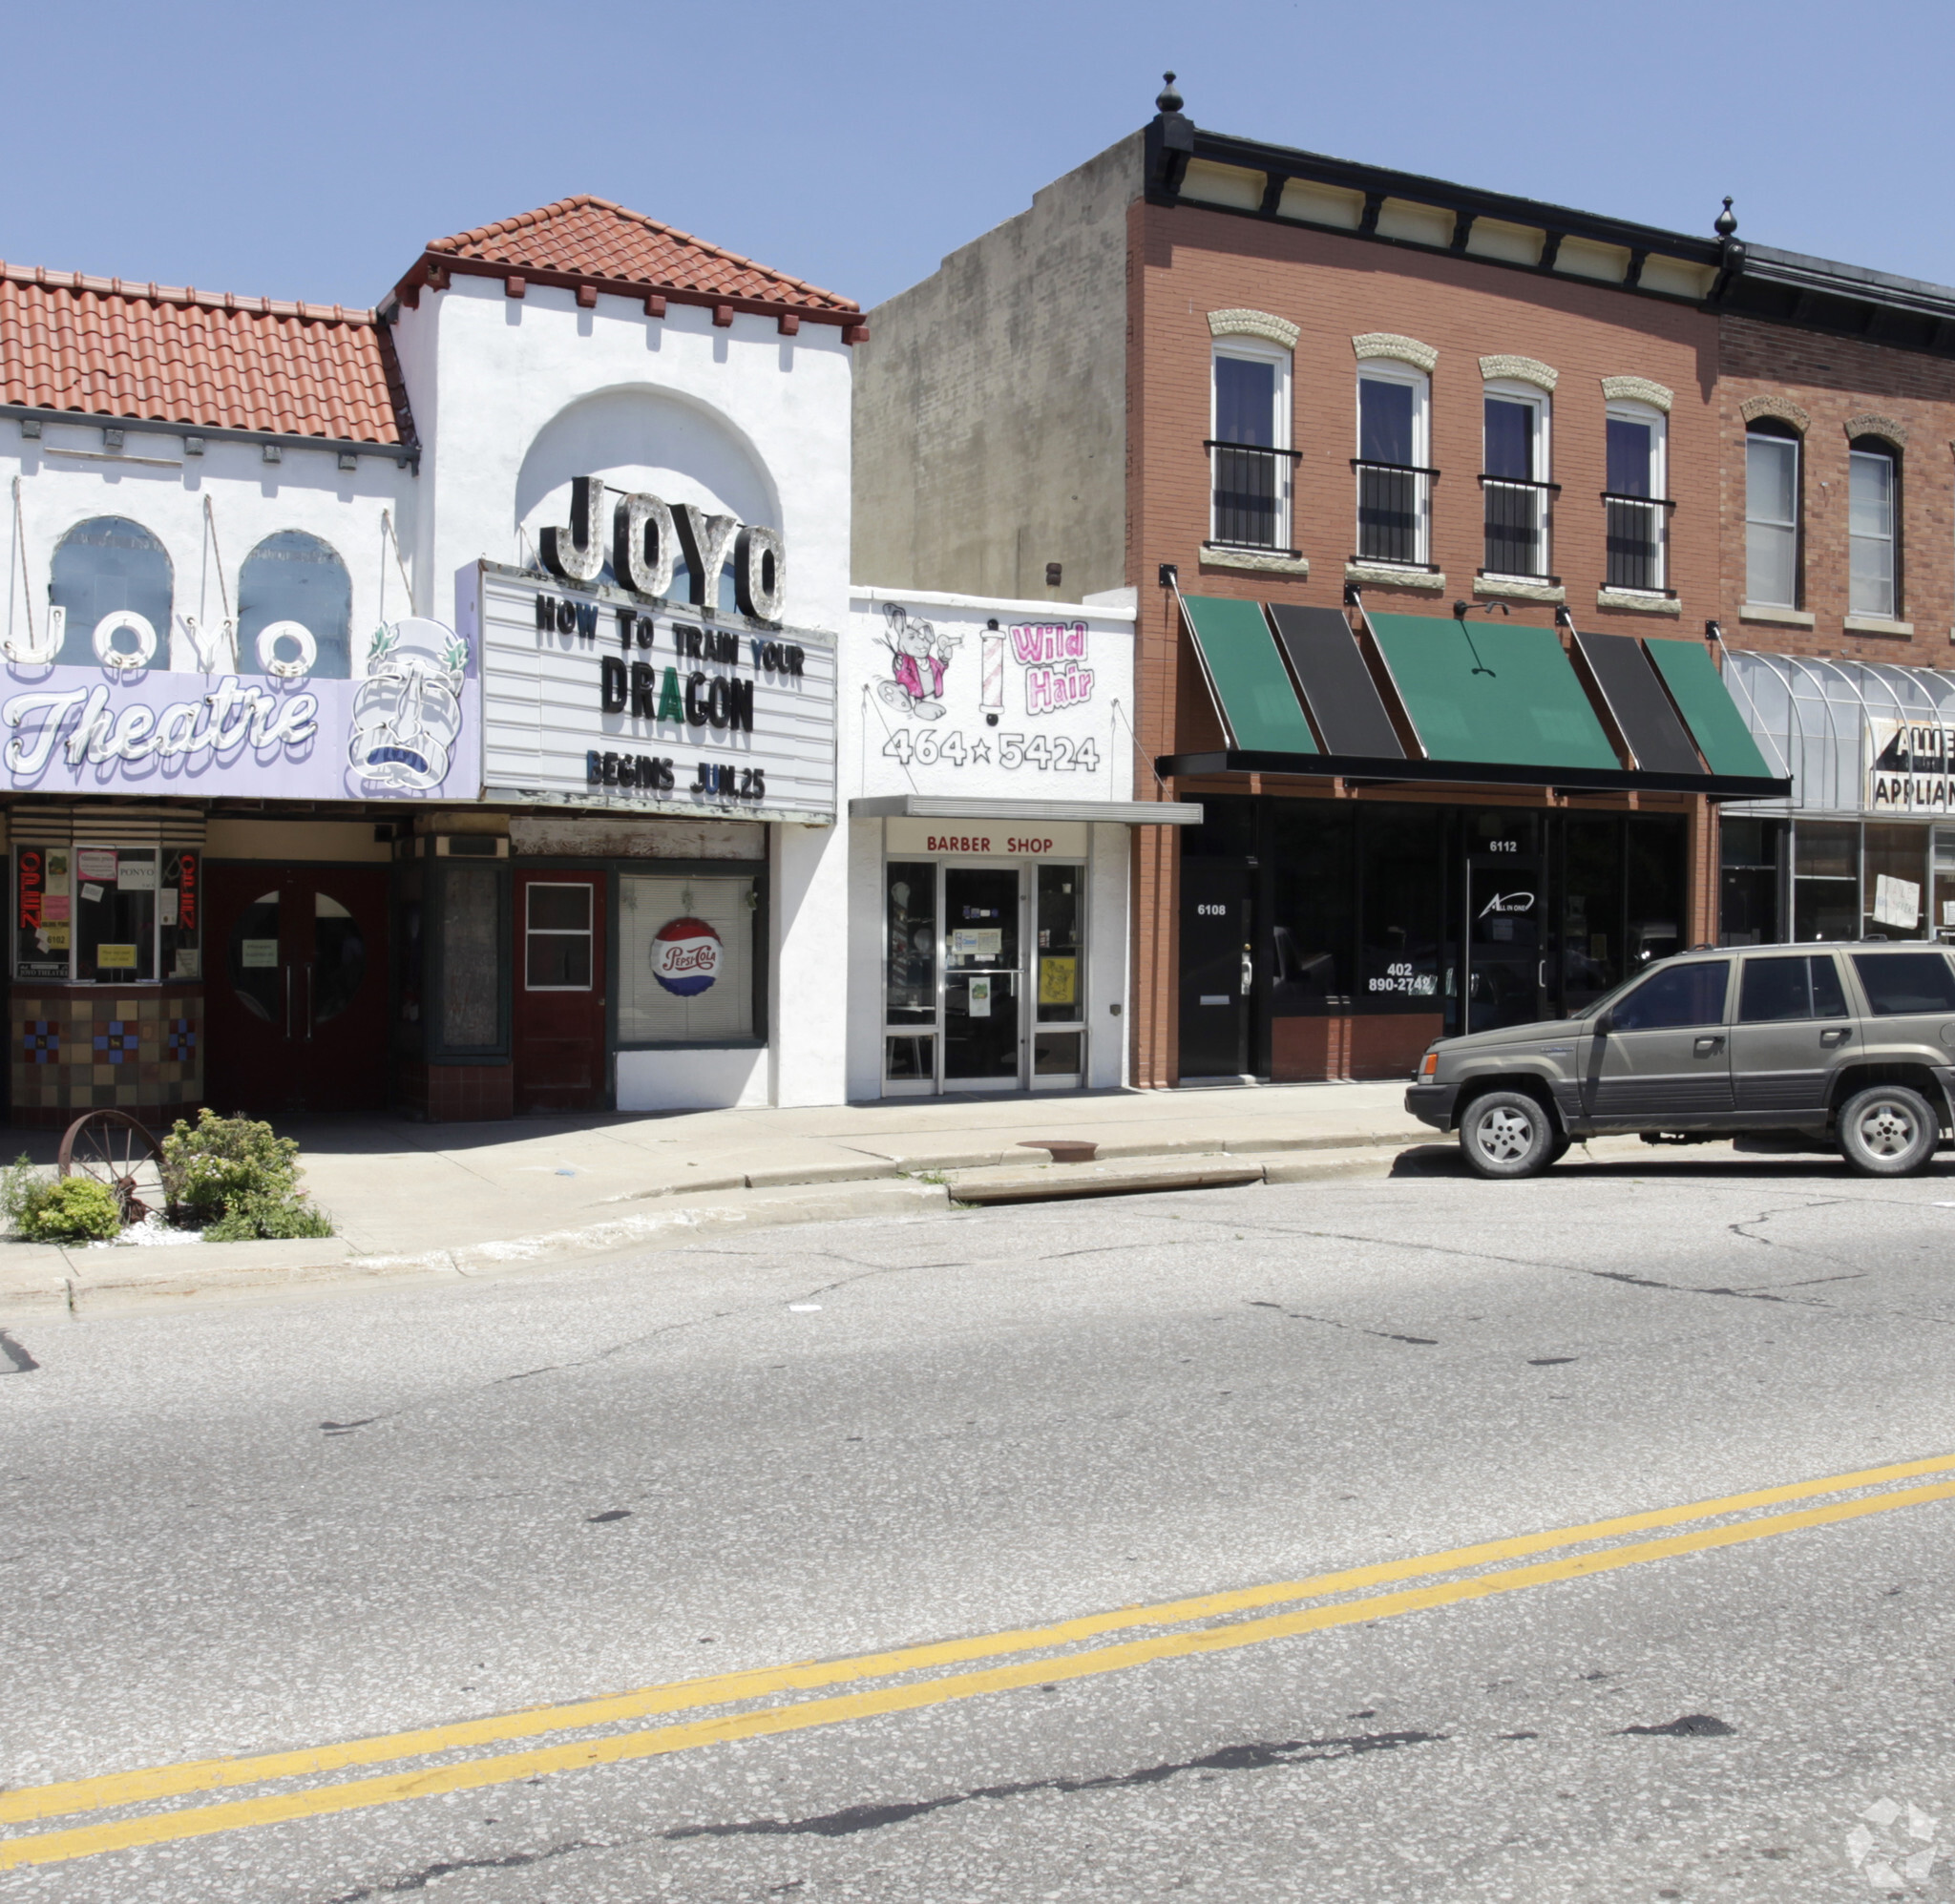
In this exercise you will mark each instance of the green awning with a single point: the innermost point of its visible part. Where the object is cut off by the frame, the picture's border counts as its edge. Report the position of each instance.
(1493, 692)
(1708, 709)
(1259, 708)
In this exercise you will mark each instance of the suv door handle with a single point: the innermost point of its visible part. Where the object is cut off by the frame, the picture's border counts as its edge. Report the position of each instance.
(1837, 1038)
(1708, 1047)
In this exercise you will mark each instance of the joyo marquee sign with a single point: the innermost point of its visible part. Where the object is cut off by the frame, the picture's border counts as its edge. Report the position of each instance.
(605, 695)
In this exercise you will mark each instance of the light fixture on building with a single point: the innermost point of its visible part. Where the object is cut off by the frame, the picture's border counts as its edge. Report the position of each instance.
(273, 453)
(1052, 574)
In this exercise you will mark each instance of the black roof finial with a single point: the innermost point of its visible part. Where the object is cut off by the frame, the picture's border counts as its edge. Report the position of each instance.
(1726, 222)
(1168, 99)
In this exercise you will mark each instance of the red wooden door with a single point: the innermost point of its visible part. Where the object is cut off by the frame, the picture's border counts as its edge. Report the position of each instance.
(559, 991)
(295, 963)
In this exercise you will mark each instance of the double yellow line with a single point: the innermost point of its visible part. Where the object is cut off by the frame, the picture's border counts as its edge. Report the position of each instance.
(913, 1676)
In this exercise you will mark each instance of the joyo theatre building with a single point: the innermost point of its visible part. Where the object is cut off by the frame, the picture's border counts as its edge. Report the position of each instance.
(433, 705)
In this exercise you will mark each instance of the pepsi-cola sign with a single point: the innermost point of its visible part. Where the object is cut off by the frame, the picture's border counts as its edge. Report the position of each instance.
(686, 956)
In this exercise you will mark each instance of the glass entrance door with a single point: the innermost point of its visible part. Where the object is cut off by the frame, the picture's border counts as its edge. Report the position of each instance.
(981, 978)
(1503, 948)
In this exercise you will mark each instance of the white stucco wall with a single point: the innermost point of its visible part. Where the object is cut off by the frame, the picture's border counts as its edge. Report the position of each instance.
(250, 499)
(515, 397)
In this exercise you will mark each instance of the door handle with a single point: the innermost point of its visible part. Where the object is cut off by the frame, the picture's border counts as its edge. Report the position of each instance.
(1248, 972)
(1708, 1047)
(1830, 1039)
(289, 999)
(310, 969)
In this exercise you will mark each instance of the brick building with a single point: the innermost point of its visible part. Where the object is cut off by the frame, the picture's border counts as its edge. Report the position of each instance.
(1445, 514)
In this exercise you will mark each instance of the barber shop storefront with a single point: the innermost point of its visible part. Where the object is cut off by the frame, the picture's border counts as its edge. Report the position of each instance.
(990, 843)
(1417, 825)
(1864, 844)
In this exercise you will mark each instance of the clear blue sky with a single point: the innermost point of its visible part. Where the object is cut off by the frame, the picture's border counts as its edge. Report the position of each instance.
(309, 151)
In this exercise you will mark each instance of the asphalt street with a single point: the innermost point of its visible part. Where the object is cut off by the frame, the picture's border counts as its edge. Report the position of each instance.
(1427, 1539)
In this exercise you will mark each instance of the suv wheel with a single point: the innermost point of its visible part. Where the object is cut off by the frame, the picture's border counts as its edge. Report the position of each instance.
(1887, 1130)
(1507, 1133)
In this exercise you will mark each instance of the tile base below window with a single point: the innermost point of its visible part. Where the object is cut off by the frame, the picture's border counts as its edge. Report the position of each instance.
(1259, 562)
(1500, 588)
(1383, 575)
(1876, 624)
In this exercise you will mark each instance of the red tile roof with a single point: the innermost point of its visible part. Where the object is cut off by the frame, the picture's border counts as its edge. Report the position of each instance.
(103, 348)
(594, 239)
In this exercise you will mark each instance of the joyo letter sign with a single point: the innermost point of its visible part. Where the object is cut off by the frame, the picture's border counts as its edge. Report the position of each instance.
(598, 695)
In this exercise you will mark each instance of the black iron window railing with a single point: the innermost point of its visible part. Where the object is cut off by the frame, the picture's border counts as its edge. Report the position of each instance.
(1633, 540)
(1392, 504)
(1251, 494)
(1517, 525)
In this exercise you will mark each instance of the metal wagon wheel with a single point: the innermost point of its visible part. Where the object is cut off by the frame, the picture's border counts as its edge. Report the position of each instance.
(114, 1149)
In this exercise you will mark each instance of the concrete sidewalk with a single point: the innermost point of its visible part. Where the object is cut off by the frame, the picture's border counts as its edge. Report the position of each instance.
(410, 1199)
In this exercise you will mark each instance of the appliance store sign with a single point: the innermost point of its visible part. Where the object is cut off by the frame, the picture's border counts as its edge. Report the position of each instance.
(598, 696)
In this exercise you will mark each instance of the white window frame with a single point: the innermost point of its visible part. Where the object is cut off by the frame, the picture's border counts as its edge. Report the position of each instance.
(1892, 538)
(1253, 350)
(1507, 390)
(1390, 370)
(1796, 444)
(589, 931)
(1626, 410)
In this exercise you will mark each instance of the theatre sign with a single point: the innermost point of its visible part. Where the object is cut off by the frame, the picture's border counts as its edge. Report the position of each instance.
(594, 696)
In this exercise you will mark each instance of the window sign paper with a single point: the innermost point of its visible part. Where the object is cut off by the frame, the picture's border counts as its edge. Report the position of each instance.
(1897, 902)
(57, 871)
(981, 942)
(91, 895)
(981, 998)
(135, 875)
(1058, 981)
(55, 938)
(116, 958)
(55, 908)
(189, 962)
(166, 906)
(96, 863)
(256, 955)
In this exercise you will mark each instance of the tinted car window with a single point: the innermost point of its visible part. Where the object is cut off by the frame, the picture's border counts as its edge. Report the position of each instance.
(1774, 990)
(1897, 983)
(1685, 994)
(1829, 996)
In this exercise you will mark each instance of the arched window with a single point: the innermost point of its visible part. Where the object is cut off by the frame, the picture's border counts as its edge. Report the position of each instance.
(105, 566)
(1393, 483)
(1873, 529)
(1771, 513)
(293, 576)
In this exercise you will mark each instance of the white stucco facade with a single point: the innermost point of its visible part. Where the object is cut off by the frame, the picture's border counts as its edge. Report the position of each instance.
(514, 399)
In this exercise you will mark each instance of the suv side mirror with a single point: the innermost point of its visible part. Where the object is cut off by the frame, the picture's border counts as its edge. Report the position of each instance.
(1603, 1024)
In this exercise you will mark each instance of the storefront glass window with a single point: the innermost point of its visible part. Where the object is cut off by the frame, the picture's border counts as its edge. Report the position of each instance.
(108, 915)
(471, 973)
(1825, 885)
(911, 995)
(1941, 921)
(1399, 950)
(1314, 904)
(1749, 855)
(685, 958)
(1591, 944)
(1060, 978)
(1657, 878)
(1894, 869)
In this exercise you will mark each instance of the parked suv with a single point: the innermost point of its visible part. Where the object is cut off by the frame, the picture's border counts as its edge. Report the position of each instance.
(1837, 1047)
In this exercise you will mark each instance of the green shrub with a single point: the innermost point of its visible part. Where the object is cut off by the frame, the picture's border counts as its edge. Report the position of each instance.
(76, 1209)
(22, 1189)
(235, 1179)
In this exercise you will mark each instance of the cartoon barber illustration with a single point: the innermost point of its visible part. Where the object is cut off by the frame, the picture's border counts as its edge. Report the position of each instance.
(915, 649)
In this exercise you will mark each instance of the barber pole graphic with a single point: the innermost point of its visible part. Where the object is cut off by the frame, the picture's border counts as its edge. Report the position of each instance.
(992, 694)
(686, 956)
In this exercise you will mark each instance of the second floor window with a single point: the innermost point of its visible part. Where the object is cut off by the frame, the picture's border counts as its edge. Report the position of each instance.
(1250, 448)
(1514, 483)
(1394, 485)
(1873, 485)
(1772, 516)
(1633, 503)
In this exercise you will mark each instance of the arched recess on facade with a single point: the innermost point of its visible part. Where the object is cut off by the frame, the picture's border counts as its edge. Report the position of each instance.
(652, 441)
(109, 566)
(293, 580)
